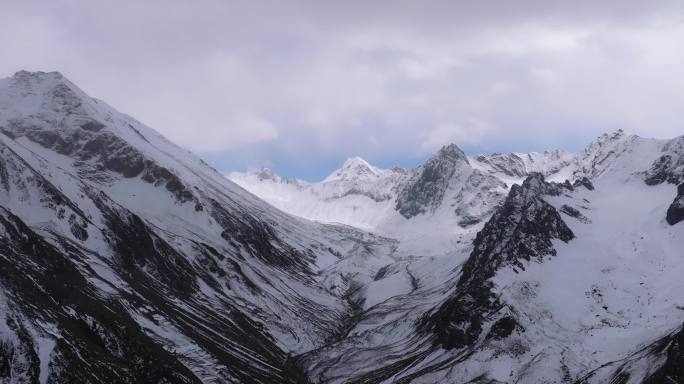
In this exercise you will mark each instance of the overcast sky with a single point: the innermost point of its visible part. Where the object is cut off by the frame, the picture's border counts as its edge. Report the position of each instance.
(302, 85)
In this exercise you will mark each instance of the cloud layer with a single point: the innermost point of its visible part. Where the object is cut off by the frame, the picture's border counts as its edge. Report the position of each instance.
(301, 85)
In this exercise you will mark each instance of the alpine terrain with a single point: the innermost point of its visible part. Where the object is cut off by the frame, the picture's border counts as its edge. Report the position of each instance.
(126, 259)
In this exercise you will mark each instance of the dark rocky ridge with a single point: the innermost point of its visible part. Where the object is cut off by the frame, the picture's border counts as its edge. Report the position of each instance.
(520, 231)
(673, 369)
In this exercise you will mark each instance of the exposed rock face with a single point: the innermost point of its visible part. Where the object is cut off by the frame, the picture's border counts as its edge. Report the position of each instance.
(583, 182)
(425, 190)
(573, 212)
(480, 196)
(520, 230)
(675, 213)
(673, 369)
(92, 326)
(670, 166)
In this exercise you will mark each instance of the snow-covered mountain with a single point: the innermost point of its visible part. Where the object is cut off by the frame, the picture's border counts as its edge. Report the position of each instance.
(428, 207)
(124, 258)
(127, 259)
(460, 190)
(567, 281)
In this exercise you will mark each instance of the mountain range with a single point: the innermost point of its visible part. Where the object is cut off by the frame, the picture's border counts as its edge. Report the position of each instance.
(126, 259)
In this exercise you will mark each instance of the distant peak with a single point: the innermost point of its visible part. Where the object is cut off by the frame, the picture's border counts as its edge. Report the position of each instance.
(265, 173)
(38, 75)
(27, 79)
(451, 152)
(610, 138)
(354, 168)
(356, 161)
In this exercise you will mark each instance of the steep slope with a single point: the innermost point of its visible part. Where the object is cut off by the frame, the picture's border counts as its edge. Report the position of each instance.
(125, 253)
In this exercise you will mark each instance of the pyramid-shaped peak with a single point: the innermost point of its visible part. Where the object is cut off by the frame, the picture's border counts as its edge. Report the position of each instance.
(354, 168)
(451, 152)
(354, 162)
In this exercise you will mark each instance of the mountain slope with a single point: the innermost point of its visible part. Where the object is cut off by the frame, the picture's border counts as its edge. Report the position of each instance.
(566, 282)
(211, 283)
(124, 258)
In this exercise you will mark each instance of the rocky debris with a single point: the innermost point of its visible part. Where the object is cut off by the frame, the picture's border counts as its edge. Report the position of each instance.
(675, 213)
(574, 212)
(425, 190)
(519, 231)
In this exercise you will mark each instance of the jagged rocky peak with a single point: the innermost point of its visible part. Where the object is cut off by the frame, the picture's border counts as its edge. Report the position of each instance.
(519, 231)
(355, 168)
(425, 190)
(450, 154)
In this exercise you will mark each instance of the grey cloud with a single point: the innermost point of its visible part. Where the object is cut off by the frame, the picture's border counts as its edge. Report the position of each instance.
(376, 78)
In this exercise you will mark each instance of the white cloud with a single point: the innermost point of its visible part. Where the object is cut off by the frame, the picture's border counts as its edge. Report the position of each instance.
(468, 134)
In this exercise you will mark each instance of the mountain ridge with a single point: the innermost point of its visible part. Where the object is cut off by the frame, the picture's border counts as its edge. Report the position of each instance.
(124, 258)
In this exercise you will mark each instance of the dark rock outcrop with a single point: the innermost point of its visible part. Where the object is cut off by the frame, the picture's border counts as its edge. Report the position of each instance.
(573, 212)
(675, 213)
(520, 231)
(583, 182)
(672, 371)
(669, 167)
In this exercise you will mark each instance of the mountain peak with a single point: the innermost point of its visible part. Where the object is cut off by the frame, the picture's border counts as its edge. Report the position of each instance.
(39, 81)
(38, 75)
(354, 168)
(451, 152)
(30, 93)
(265, 173)
(355, 161)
